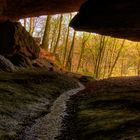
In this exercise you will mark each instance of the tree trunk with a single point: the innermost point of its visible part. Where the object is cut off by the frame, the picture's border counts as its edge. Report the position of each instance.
(138, 68)
(31, 29)
(84, 40)
(25, 23)
(54, 34)
(59, 34)
(69, 59)
(99, 57)
(116, 59)
(66, 42)
(112, 54)
(45, 41)
(138, 64)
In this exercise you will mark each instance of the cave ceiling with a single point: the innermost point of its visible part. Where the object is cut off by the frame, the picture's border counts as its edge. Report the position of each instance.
(116, 18)
(16, 9)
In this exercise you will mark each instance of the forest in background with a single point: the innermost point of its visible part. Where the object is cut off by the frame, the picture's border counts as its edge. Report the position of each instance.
(85, 53)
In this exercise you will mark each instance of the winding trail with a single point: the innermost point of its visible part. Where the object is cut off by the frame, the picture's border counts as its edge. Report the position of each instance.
(50, 126)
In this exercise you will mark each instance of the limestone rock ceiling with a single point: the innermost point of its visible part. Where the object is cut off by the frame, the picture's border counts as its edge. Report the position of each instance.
(15, 9)
(116, 18)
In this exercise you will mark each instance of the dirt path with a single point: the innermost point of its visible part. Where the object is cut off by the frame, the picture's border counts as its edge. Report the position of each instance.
(49, 127)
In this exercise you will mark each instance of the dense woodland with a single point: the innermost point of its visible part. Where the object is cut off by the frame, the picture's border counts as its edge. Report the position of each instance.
(86, 53)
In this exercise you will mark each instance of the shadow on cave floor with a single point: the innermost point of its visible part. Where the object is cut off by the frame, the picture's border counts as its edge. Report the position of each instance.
(26, 96)
(107, 110)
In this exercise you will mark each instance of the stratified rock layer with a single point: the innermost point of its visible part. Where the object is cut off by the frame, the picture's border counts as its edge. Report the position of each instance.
(116, 18)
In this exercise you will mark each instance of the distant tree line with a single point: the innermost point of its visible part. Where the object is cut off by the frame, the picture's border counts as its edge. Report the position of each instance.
(86, 53)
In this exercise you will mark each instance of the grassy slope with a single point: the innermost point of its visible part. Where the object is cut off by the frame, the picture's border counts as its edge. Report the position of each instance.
(26, 96)
(108, 110)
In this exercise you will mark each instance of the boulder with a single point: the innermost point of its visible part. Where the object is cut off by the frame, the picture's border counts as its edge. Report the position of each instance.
(17, 44)
(6, 65)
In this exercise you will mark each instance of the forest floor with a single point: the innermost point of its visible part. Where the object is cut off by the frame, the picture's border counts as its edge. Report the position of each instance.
(26, 96)
(107, 109)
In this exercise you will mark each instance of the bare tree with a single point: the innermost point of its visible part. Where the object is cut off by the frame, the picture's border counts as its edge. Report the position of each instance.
(66, 42)
(84, 40)
(25, 23)
(59, 34)
(31, 27)
(117, 57)
(69, 58)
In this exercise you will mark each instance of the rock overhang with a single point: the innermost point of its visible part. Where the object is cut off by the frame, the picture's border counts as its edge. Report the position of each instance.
(116, 18)
(16, 9)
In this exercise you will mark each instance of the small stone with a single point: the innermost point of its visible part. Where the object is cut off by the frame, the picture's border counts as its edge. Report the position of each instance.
(6, 65)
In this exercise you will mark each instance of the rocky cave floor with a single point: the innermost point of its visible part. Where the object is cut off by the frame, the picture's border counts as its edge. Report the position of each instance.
(107, 109)
(26, 96)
